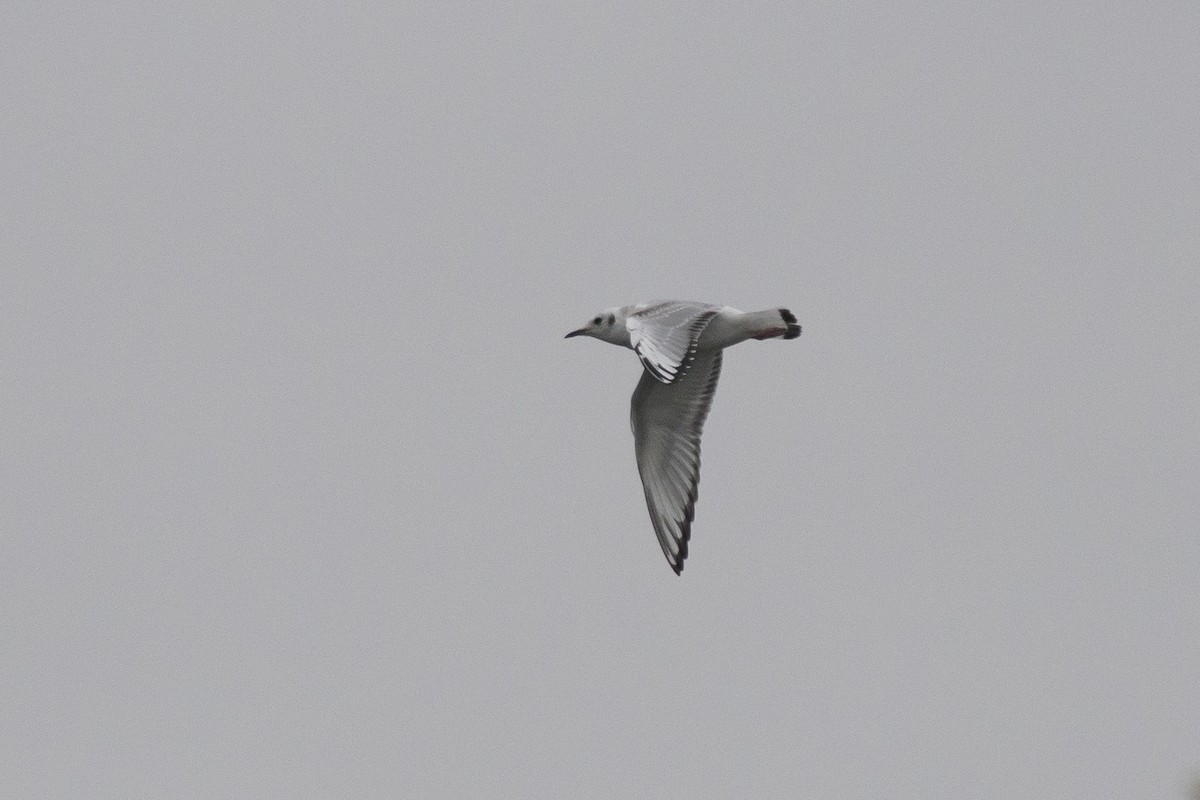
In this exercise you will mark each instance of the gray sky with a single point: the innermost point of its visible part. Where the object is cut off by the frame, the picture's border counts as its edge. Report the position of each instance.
(305, 496)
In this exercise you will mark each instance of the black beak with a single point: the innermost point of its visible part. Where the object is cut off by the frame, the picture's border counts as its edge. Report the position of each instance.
(579, 332)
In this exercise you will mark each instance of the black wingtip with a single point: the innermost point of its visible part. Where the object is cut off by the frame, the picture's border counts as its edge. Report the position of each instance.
(789, 319)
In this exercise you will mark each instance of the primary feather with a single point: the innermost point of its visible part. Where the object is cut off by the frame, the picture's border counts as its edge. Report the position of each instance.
(667, 421)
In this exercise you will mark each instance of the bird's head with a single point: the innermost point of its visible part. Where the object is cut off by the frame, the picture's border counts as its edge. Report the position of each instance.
(607, 326)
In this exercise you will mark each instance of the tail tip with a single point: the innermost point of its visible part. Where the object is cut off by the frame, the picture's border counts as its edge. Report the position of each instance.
(789, 319)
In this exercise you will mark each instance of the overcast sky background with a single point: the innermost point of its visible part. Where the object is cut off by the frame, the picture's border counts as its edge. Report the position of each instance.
(304, 495)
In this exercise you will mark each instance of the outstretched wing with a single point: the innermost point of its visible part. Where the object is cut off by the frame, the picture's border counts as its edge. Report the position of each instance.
(667, 421)
(664, 335)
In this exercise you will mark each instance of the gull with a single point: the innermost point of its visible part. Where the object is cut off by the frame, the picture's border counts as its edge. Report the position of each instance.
(680, 346)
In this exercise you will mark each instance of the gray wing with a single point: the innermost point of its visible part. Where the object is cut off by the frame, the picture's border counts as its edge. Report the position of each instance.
(665, 335)
(667, 421)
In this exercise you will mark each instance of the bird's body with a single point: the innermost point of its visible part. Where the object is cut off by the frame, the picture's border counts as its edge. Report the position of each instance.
(680, 346)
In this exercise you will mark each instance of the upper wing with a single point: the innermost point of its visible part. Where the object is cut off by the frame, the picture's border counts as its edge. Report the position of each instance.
(667, 421)
(664, 335)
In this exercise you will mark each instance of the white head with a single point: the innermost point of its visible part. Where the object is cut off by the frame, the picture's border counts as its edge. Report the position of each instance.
(607, 326)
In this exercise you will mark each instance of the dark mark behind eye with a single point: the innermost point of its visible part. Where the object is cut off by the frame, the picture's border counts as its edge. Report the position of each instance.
(611, 319)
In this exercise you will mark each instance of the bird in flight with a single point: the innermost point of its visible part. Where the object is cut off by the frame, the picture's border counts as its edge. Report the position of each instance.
(680, 346)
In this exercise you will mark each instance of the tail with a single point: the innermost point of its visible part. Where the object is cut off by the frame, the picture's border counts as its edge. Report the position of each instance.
(775, 323)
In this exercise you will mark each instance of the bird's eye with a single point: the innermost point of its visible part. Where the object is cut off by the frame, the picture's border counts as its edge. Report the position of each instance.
(597, 321)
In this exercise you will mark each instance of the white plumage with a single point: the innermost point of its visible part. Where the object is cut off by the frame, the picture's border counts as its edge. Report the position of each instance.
(679, 344)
